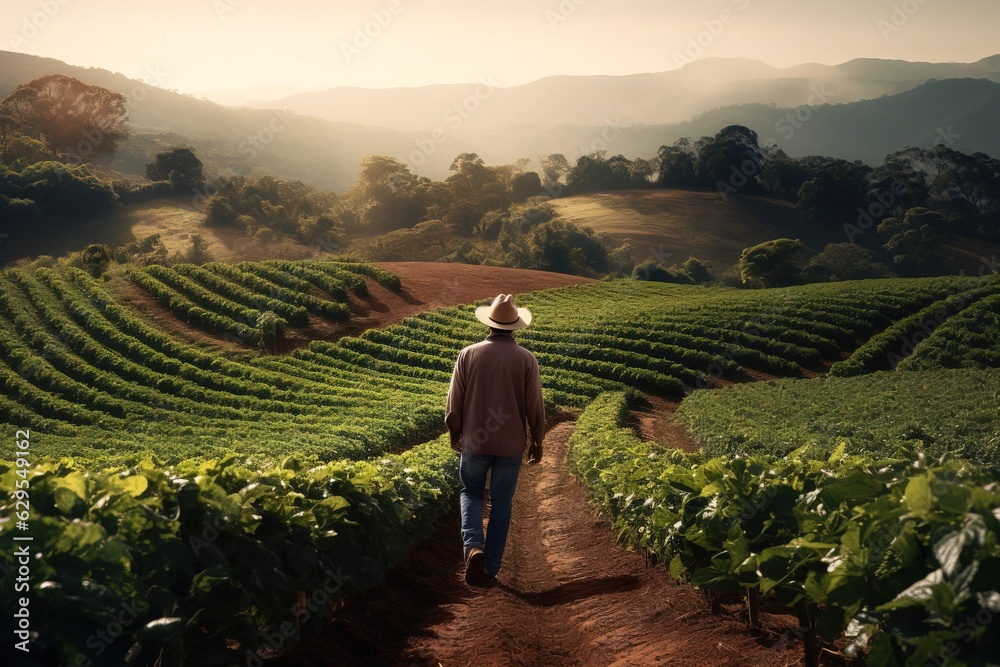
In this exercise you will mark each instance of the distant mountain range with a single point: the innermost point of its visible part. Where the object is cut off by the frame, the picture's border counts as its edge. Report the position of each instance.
(862, 109)
(665, 97)
(251, 97)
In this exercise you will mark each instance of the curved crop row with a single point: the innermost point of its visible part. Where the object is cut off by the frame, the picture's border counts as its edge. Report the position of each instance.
(190, 312)
(255, 281)
(865, 551)
(888, 348)
(295, 315)
(970, 339)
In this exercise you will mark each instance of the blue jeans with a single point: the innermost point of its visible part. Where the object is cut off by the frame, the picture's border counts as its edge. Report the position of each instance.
(503, 481)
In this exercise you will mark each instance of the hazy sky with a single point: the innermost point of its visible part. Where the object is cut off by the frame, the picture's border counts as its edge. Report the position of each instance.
(202, 45)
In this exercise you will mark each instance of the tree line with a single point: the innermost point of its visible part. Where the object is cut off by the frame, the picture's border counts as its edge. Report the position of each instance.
(57, 135)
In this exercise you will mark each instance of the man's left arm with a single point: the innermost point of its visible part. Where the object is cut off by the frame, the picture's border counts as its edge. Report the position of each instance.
(534, 406)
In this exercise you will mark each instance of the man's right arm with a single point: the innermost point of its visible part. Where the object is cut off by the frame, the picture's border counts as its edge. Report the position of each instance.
(455, 404)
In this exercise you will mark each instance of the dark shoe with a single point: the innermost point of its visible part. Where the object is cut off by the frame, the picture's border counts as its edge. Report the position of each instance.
(489, 580)
(475, 563)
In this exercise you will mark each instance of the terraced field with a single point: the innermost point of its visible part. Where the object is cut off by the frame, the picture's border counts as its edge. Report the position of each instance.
(108, 388)
(328, 459)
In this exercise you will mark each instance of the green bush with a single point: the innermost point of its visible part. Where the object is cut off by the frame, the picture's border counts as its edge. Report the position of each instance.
(64, 190)
(212, 557)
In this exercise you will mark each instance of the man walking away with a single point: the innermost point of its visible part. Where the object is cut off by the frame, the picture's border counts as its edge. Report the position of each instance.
(495, 391)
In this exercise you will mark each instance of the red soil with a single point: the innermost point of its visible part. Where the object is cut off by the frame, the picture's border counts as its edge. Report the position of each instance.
(429, 285)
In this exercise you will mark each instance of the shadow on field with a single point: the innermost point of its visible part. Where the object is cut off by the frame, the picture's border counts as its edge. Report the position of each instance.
(576, 590)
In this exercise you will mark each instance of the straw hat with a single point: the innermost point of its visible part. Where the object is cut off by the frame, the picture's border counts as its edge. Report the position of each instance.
(504, 314)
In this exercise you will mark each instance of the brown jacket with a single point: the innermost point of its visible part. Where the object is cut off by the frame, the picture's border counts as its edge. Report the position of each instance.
(495, 390)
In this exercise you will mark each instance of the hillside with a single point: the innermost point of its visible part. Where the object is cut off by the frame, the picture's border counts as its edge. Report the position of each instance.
(956, 112)
(108, 379)
(670, 225)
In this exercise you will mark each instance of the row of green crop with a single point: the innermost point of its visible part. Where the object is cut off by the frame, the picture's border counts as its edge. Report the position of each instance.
(190, 312)
(229, 299)
(228, 289)
(332, 281)
(112, 349)
(954, 411)
(107, 336)
(87, 359)
(335, 287)
(106, 355)
(99, 311)
(197, 293)
(269, 277)
(896, 557)
(385, 278)
(970, 339)
(355, 281)
(889, 347)
(82, 359)
(212, 560)
(169, 436)
(261, 279)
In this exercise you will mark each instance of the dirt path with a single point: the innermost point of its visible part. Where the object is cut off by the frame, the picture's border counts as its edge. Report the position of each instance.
(658, 423)
(568, 596)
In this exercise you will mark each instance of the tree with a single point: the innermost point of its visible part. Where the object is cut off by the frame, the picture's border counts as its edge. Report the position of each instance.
(11, 131)
(388, 195)
(915, 239)
(76, 120)
(777, 263)
(61, 190)
(25, 150)
(783, 176)
(272, 329)
(179, 166)
(836, 189)
(731, 158)
(693, 271)
(966, 188)
(525, 185)
(553, 245)
(147, 250)
(95, 258)
(554, 168)
(699, 270)
(563, 247)
(675, 164)
(641, 171)
(623, 173)
(594, 173)
(845, 261)
(473, 181)
(463, 216)
(199, 250)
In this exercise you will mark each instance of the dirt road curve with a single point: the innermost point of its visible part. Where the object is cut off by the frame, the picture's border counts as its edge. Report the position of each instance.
(568, 596)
